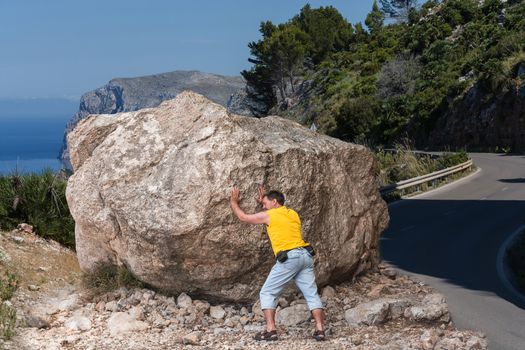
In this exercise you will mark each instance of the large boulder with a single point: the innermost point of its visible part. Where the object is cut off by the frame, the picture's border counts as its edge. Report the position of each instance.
(151, 190)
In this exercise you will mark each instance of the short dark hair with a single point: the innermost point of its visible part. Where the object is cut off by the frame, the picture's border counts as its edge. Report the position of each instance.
(278, 196)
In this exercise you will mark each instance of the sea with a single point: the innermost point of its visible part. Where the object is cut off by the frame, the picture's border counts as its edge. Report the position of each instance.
(31, 144)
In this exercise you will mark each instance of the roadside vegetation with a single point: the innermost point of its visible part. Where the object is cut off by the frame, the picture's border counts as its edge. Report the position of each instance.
(401, 163)
(39, 200)
(8, 285)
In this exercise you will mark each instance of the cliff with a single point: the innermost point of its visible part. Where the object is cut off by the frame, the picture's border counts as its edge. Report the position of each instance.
(480, 120)
(131, 94)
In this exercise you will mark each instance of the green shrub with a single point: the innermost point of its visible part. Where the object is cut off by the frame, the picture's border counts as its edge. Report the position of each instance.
(38, 199)
(107, 277)
(7, 321)
(446, 160)
(8, 286)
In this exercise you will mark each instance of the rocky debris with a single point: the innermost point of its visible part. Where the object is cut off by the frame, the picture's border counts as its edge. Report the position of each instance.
(131, 94)
(432, 308)
(130, 318)
(151, 190)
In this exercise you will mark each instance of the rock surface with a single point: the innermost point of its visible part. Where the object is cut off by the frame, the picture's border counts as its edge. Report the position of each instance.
(151, 190)
(131, 94)
(495, 119)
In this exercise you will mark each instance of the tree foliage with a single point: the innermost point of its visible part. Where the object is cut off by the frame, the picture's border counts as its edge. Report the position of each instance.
(381, 82)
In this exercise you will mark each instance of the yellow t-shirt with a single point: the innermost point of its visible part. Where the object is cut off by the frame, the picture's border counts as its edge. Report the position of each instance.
(284, 229)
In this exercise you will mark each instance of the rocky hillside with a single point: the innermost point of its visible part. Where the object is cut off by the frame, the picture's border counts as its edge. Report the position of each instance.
(380, 310)
(131, 94)
(450, 74)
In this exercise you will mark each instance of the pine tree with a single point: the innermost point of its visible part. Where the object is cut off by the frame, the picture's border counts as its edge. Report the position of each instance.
(374, 20)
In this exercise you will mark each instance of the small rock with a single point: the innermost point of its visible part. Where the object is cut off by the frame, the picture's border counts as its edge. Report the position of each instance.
(377, 291)
(37, 319)
(137, 312)
(244, 320)
(78, 322)
(111, 306)
(25, 228)
(100, 306)
(121, 322)
(371, 313)
(293, 315)
(282, 302)
(18, 239)
(201, 307)
(33, 288)
(389, 272)
(328, 293)
(429, 339)
(256, 309)
(184, 300)
(217, 312)
(194, 338)
(476, 343)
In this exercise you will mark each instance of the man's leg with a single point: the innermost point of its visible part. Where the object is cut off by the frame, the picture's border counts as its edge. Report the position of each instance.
(275, 282)
(318, 315)
(269, 317)
(305, 281)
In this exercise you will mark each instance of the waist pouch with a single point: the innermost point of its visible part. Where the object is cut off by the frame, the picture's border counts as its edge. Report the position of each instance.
(282, 256)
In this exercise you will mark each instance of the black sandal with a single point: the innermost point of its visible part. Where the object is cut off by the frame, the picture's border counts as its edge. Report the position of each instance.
(265, 335)
(319, 335)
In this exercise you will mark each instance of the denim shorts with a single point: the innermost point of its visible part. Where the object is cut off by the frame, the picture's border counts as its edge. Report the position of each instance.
(300, 268)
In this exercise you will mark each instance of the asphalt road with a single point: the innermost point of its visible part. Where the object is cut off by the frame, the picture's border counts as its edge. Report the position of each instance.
(450, 238)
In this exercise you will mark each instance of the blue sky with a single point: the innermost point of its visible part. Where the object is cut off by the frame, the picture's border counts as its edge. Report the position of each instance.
(63, 48)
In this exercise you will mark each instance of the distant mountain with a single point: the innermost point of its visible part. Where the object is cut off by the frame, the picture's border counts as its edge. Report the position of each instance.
(130, 94)
(34, 107)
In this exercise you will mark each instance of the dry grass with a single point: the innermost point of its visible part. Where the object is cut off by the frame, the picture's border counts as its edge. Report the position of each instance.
(106, 278)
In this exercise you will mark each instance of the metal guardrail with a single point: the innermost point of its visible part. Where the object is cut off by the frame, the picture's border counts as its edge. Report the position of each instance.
(425, 178)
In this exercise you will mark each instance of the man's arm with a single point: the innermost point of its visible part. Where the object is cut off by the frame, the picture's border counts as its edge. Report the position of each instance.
(255, 219)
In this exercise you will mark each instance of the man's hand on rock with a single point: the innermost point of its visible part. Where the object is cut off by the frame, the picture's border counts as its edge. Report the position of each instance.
(260, 195)
(234, 199)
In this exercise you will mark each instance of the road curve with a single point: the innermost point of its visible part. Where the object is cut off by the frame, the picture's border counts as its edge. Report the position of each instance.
(450, 239)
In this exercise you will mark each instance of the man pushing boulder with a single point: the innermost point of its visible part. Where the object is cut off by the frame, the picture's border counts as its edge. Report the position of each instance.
(294, 259)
